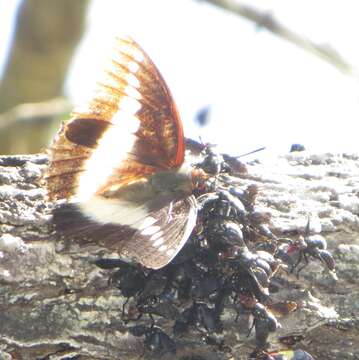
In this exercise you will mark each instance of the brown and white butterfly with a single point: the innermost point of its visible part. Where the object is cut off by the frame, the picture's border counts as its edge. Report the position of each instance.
(119, 163)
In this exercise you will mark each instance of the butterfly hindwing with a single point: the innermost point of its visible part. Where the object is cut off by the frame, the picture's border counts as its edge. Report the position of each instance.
(168, 229)
(162, 232)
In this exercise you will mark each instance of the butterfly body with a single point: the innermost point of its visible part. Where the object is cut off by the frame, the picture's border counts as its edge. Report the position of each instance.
(119, 165)
(166, 184)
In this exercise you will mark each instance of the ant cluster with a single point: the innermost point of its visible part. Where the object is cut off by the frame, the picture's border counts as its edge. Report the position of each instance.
(228, 263)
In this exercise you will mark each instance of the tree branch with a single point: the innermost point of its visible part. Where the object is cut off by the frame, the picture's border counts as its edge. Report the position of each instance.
(266, 20)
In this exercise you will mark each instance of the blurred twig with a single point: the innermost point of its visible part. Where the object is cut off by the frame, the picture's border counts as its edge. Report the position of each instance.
(34, 112)
(27, 128)
(266, 20)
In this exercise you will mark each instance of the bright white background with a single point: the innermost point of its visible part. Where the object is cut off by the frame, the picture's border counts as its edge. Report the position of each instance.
(262, 90)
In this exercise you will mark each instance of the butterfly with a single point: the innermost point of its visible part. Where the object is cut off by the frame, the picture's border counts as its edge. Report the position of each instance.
(118, 165)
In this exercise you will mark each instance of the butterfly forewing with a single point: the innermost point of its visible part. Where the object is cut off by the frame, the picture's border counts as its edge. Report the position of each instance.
(131, 122)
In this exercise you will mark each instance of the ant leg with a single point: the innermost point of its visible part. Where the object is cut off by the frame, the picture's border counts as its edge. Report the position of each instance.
(152, 321)
(237, 308)
(123, 307)
(306, 263)
(252, 326)
(300, 257)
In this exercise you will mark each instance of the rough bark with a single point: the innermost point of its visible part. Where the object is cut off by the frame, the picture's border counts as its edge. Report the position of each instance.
(56, 304)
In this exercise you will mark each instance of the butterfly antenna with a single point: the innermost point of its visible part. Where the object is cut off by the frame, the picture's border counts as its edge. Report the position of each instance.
(251, 152)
